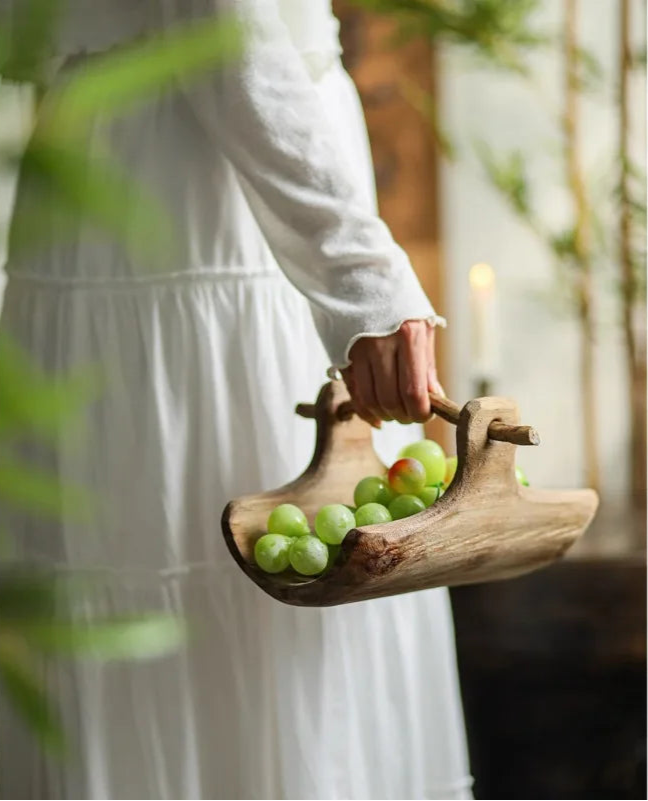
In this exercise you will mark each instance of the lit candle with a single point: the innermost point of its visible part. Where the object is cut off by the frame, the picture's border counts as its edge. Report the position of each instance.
(484, 321)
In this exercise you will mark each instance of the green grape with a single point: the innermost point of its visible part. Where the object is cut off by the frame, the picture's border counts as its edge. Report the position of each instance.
(289, 520)
(405, 506)
(308, 555)
(271, 552)
(372, 513)
(521, 477)
(333, 522)
(430, 454)
(430, 495)
(451, 469)
(372, 489)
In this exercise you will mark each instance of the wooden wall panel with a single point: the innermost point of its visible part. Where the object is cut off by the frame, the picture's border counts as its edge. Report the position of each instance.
(403, 148)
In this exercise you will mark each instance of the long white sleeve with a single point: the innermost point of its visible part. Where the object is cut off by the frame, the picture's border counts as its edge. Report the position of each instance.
(266, 114)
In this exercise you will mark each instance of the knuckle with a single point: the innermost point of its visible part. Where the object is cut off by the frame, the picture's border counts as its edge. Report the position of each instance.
(418, 403)
(409, 331)
(413, 393)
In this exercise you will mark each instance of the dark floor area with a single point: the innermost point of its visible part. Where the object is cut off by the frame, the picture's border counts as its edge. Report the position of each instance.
(553, 671)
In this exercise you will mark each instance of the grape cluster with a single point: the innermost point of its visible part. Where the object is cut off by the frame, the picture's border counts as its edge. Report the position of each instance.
(414, 482)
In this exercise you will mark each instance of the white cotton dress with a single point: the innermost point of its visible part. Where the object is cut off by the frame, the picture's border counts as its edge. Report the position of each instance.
(280, 264)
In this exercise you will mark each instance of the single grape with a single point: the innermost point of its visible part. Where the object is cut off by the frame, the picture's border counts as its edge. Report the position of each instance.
(407, 476)
(521, 477)
(289, 520)
(271, 552)
(372, 489)
(333, 522)
(405, 506)
(372, 513)
(451, 469)
(430, 495)
(308, 555)
(431, 455)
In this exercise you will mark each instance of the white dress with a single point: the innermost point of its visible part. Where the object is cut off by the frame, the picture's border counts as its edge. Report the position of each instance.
(266, 170)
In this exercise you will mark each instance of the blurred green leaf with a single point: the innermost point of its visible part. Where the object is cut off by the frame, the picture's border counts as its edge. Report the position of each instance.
(7, 547)
(508, 174)
(590, 72)
(142, 637)
(499, 31)
(19, 681)
(112, 83)
(563, 243)
(26, 34)
(28, 488)
(26, 593)
(427, 106)
(68, 184)
(31, 401)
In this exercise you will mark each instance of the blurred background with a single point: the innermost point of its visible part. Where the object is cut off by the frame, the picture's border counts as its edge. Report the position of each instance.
(509, 142)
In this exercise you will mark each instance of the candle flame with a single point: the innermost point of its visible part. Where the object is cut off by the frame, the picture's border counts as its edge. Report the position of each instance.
(481, 276)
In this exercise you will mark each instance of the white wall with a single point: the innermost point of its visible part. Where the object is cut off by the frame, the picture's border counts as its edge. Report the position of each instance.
(539, 346)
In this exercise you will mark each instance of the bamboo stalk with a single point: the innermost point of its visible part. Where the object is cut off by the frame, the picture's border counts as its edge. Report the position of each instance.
(582, 245)
(636, 373)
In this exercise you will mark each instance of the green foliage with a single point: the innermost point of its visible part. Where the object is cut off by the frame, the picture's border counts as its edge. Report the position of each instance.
(24, 688)
(26, 35)
(563, 244)
(36, 607)
(502, 34)
(37, 620)
(590, 73)
(509, 175)
(499, 31)
(25, 487)
(31, 401)
(428, 108)
(114, 82)
(68, 184)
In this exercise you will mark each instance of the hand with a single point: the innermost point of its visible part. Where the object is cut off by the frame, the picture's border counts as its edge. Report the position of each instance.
(390, 377)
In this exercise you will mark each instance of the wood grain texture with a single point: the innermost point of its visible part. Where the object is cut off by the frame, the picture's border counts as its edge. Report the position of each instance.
(449, 411)
(485, 528)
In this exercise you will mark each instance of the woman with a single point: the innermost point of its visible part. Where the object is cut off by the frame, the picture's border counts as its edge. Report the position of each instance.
(265, 168)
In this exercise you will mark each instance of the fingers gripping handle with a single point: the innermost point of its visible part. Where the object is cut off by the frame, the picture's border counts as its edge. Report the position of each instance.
(449, 411)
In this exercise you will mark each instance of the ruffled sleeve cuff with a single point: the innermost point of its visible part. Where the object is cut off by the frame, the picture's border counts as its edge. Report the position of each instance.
(373, 317)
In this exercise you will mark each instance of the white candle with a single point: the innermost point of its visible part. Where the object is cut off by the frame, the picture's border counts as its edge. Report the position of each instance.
(485, 345)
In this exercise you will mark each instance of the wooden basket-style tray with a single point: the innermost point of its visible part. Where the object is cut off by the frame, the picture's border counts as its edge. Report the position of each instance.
(486, 527)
